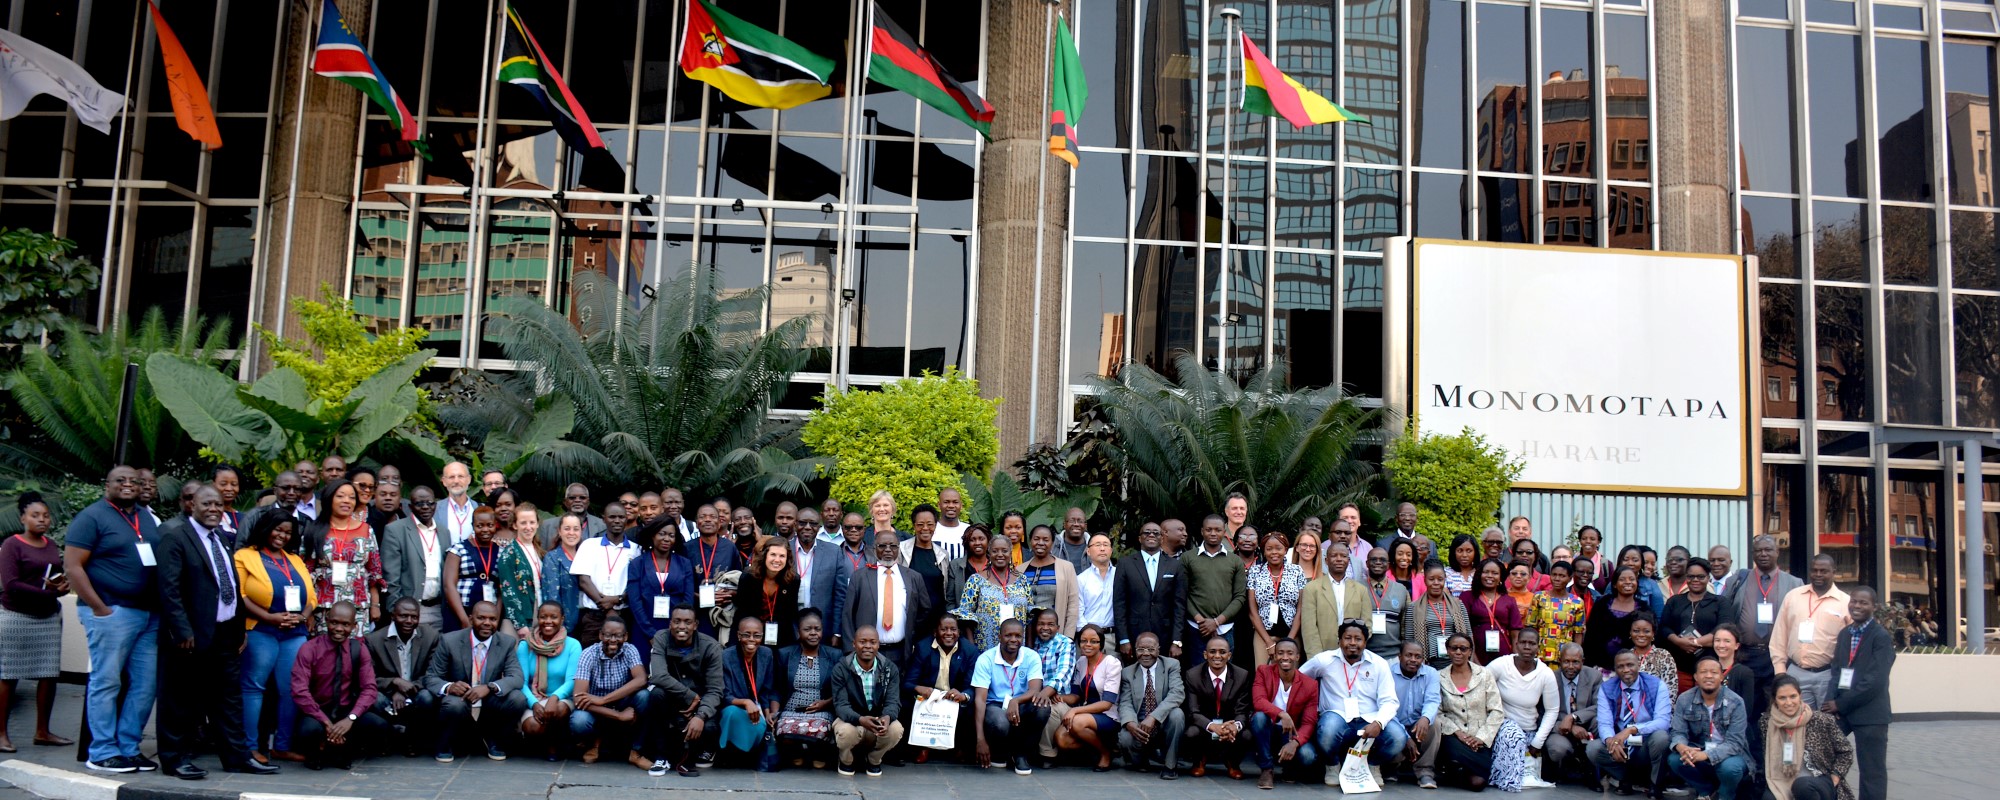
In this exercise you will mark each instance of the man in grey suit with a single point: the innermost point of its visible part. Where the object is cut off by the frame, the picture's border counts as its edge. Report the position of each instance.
(576, 500)
(409, 546)
(817, 568)
(401, 653)
(864, 601)
(1149, 708)
(477, 667)
(1576, 720)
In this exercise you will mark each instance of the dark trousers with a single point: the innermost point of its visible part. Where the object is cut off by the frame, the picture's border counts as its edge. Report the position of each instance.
(664, 723)
(1814, 787)
(499, 717)
(202, 685)
(1456, 758)
(368, 734)
(1007, 740)
(1201, 748)
(418, 717)
(1871, 756)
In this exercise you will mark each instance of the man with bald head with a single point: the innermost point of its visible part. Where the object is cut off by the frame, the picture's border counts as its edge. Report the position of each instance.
(201, 633)
(457, 506)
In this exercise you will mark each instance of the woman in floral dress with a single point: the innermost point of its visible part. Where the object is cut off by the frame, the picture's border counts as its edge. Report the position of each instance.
(349, 563)
(1557, 614)
(995, 594)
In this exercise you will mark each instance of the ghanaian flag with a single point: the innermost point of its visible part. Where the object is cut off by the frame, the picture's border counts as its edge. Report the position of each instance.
(751, 65)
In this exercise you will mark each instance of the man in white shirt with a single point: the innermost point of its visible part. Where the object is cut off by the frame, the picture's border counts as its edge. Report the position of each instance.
(1357, 700)
(458, 505)
(950, 528)
(600, 569)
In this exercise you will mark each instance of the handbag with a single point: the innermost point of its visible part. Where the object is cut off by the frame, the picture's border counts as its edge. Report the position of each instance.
(799, 727)
(1355, 776)
(934, 723)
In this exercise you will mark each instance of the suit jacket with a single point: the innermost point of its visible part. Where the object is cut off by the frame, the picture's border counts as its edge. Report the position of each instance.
(1320, 616)
(1584, 705)
(1202, 702)
(1866, 702)
(451, 661)
(850, 704)
(843, 579)
(188, 593)
(383, 654)
(1139, 607)
(864, 603)
(828, 597)
(1132, 690)
(403, 560)
(1302, 703)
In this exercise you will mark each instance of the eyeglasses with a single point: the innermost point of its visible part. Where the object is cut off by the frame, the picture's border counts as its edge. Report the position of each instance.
(850, 527)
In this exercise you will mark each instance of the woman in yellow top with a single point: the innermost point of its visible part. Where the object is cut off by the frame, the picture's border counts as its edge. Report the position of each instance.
(1557, 614)
(278, 596)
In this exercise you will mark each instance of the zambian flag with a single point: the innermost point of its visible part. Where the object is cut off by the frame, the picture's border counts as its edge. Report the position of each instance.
(895, 61)
(1274, 94)
(1067, 93)
(751, 65)
(524, 64)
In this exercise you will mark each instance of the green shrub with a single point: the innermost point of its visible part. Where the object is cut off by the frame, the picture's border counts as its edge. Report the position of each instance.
(1455, 480)
(912, 438)
(346, 355)
(39, 277)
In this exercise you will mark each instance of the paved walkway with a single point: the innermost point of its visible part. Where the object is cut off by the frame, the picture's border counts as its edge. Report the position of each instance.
(1932, 761)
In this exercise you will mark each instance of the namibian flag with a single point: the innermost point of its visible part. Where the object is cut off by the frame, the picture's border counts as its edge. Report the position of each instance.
(524, 64)
(895, 61)
(1067, 93)
(751, 65)
(1274, 94)
(339, 56)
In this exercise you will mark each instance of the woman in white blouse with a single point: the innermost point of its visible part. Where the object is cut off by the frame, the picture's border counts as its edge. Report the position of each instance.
(1528, 696)
(1093, 586)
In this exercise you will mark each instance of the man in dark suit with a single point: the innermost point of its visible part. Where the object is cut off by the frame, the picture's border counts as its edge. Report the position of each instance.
(201, 633)
(1147, 596)
(1576, 716)
(1218, 710)
(477, 666)
(401, 653)
(1862, 659)
(895, 621)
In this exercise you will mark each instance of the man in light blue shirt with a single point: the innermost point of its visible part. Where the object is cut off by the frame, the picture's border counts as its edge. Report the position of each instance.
(1633, 711)
(1005, 681)
(1417, 711)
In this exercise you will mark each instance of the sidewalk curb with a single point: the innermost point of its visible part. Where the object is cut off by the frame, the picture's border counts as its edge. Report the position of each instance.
(46, 781)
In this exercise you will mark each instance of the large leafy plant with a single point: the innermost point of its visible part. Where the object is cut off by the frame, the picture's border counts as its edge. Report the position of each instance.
(912, 438)
(38, 277)
(986, 499)
(339, 353)
(1182, 446)
(70, 391)
(673, 394)
(1456, 480)
(276, 421)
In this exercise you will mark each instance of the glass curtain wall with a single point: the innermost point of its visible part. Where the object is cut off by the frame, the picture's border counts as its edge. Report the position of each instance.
(1464, 141)
(183, 240)
(1864, 143)
(681, 154)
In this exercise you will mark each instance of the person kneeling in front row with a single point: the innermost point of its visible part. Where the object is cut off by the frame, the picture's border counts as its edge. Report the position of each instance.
(477, 667)
(1005, 680)
(333, 687)
(1711, 734)
(1357, 700)
(1149, 710)
(686, 676)
(866, 703)
(401, 654)
(610, 696)
(1633, 711)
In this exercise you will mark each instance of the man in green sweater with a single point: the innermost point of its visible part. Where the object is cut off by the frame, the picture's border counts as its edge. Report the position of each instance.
(1215, 582)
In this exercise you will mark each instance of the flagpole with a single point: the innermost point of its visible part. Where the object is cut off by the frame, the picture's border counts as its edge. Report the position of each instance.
(1230, 16)
(292, 183)
(1041, 224)
(118, 168)
(666, 168)
(857, 94)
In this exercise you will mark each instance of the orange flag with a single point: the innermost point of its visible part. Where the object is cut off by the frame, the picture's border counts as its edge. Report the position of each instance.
(191, 107)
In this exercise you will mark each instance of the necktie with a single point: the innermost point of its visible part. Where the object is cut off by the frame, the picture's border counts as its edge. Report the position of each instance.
(478, 661)
(1218, 697)
(338, 651)
(225, 584)
(888, 597)
(1151, 699)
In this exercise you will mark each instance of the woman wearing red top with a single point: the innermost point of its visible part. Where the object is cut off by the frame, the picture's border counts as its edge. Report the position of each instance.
(347, 562)
(1495, 615)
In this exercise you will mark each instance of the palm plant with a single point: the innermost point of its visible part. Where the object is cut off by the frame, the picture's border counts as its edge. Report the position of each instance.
(1182, 446)
(71, 392)
(673, 394)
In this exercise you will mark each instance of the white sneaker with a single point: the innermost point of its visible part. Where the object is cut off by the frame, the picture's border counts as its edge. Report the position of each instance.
(1333, 776)
(1532, 782)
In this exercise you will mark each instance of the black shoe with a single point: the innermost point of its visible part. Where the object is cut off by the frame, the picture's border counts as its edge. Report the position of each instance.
(1623, 790)
(314, 764)
(114, 764)
(252, 768)
(144, 764)
(341, 763)
(1022, 767)
(1170, 774)
(187, 771)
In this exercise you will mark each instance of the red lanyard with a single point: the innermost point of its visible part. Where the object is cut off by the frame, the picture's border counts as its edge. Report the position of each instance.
(1350, 676)
(708, 559)
(660, 571)
(1765, 591)
(750, 673)
(485, 560)
(1812, 607)
(429, 537)
(132, 520)
(994, 576)
(770, 604)
(1438, 611)
(1010, 674)
(284, 566)
(1379, 591)
(461, 519)
(854, 559)
(1492, 615)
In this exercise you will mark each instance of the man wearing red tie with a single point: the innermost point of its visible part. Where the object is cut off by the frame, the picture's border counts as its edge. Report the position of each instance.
(1218, 711)
(889, 597)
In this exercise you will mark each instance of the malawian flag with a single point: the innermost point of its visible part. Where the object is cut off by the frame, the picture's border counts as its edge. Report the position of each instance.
(1274, 94)
(1067, 93)
(339, 56)
(191, 107)
(524, 64)
(751, 65)
(28, 69)
(895, 61)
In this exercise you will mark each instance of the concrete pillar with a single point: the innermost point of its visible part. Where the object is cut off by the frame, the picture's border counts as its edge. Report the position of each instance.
(1015, 60)
(1692, 153)
(318, 233)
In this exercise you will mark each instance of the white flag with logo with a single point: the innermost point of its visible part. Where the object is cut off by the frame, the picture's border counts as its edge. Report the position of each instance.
(28, 69)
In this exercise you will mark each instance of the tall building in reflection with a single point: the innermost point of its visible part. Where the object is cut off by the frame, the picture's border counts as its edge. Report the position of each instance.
(1569, 213)
(1969, 122)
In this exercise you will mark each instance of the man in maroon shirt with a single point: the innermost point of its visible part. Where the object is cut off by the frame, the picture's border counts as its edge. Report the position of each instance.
(333, 686)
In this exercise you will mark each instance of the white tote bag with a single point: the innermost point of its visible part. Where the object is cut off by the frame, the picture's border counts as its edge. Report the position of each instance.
(934, 723)
(1355, 777)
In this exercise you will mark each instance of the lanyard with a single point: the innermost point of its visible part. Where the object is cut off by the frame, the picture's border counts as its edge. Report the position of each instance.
(1379, 591)
(1763, 590)
(660, 571)
(459, 520)
(1812, 607)
(1492, 614)
(132, 520)
(854, 559)
(1350, 676)
(429, 537)
(485, 560)
(751, 674)
(707, 559)
(1010, 674)
(610, 553)
(1438, 610)
(994, 576)
(770, 603)
(1854, 642)
(284, 566)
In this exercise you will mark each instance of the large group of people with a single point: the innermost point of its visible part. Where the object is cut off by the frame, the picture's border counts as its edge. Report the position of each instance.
(341, 614)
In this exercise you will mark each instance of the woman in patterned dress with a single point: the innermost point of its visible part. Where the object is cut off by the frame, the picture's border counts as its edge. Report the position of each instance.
(348, 562)
(1557, 614)
(1273, 590)
(995, 594)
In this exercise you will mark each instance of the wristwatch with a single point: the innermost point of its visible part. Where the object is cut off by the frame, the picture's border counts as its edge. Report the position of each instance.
(351, 718)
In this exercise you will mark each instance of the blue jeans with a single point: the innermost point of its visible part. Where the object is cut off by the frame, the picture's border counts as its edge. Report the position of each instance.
(124, 654)
(1335, 735)
(583, 724)
(1269, 737)
(1708, 777)
(267, 661)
